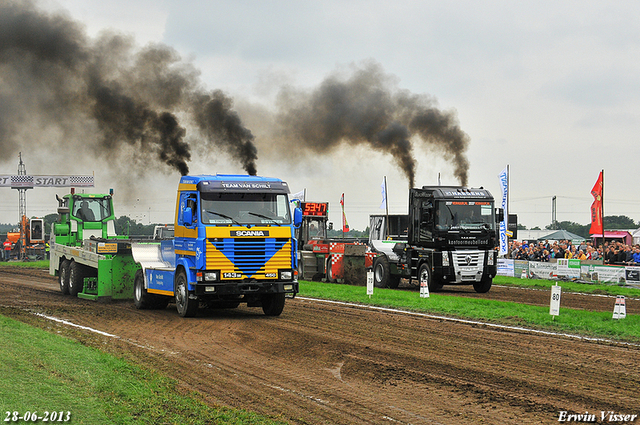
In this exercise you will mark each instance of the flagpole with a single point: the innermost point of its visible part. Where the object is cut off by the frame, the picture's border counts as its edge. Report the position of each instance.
(386, 206)
(342, 204)
(507, 217)
(602, 207)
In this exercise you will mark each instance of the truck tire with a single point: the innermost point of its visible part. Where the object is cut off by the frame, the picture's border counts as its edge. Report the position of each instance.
(329, 273)
(426, 277)
(63, 277)
(273, 304)
(76, 278)
(483, 286)
(141, 298)
(381, 272)
(144, 300)
(186, 306)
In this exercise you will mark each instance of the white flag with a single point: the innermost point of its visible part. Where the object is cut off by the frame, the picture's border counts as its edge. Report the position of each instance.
(299, 195)
(384, 194)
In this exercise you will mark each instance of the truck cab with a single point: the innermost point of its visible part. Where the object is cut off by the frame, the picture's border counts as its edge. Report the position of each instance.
(82, 216)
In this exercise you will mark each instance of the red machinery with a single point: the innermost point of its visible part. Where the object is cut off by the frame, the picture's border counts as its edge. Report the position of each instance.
(322, 258)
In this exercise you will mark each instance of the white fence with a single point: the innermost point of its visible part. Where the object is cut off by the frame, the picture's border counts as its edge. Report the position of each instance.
(569, 269)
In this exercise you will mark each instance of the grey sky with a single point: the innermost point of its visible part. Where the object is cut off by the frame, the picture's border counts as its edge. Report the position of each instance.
(550, 88)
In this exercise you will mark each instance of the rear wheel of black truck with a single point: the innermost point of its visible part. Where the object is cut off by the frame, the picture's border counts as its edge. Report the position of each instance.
(273, 304)
(381, 272)
(186, 306)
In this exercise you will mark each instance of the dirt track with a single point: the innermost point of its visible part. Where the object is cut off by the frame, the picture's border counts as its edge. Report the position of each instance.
(321, 363)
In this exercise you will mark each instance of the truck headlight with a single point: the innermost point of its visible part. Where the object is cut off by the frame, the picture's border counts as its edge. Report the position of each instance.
(286, 274)
(490, 258)
(445, 258)
(210, 275)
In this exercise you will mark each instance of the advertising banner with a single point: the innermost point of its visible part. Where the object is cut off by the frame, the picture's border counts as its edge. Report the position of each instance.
(539, 270)
(505, 267)
(568, 268)
(504, 187)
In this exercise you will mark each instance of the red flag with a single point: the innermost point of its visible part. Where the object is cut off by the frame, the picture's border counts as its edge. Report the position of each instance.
(345, 225)
(596, 208)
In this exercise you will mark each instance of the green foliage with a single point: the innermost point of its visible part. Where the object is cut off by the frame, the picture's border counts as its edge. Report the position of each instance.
(620, 222)
(46, 372)
(4, 228)
(336, 234)
(611, 222)
(126, 226)
(42, 264)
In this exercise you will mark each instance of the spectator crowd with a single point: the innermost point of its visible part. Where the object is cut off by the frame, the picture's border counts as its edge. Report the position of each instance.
(612, 253)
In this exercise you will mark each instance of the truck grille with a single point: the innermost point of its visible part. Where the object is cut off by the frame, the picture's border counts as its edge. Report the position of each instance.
(468, 265)
(468, 258)
(249, 255)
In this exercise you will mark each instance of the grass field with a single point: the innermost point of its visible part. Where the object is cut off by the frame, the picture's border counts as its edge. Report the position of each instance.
(587, 323)
(44, 372)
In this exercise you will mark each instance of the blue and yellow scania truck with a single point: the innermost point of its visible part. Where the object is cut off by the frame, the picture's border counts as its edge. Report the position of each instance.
(234, 243)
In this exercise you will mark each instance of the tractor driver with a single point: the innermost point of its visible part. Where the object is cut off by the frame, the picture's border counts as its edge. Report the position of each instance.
(85, 212)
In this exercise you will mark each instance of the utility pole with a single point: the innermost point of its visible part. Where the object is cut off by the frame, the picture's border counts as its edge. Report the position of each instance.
(22, 191)
(554, 221)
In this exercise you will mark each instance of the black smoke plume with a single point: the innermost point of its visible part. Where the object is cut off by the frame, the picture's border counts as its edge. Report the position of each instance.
(110, 97)
(53, 74)
(367, 108)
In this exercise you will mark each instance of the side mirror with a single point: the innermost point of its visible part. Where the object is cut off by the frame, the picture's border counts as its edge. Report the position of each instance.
(297, 217)
(499, 215)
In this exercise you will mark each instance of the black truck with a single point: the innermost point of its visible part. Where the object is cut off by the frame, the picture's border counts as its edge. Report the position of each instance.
(449, 237)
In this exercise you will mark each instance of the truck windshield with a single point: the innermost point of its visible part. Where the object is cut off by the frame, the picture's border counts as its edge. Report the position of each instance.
(245, 208)
(91, 209)
(465, 214)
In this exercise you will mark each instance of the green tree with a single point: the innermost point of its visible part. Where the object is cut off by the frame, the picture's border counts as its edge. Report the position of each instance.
(619, 222)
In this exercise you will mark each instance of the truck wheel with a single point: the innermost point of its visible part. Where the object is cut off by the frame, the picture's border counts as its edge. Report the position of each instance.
(63, 277)
(381, 272)
(273, 304)
(329, 267)
(141, 298)
(186, 306)
(76, 278)
(483, 286)
(425, 277)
